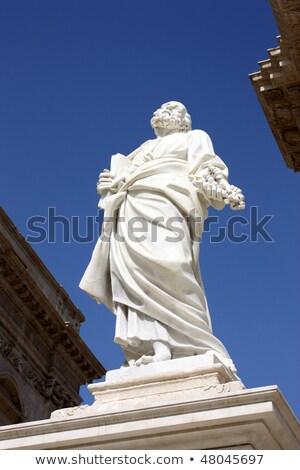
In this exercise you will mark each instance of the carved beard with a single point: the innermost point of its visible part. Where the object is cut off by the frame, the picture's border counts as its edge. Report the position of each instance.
(164, 118)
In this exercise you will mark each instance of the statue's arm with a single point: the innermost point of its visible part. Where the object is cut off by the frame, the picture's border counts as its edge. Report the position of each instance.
(209, 174)
(214, 186)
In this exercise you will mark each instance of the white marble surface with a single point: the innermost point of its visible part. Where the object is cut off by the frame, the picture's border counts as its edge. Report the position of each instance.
(145, 266)
(257, 418)
(184, 365)
(191, 403)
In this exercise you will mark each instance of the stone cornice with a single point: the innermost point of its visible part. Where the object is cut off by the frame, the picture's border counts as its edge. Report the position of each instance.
(13, 236)
(42, 313)
(277, 83)
(22, 292)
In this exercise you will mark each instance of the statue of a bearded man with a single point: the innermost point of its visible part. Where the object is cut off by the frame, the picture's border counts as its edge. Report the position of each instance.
(145, 266)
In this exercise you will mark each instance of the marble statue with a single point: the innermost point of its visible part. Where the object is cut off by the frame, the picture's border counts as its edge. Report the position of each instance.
(145, 265)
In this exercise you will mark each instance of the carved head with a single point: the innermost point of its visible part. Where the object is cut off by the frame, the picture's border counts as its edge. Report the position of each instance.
(173, 116)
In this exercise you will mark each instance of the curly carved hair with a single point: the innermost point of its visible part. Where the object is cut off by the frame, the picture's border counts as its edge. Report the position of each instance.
(172, 115)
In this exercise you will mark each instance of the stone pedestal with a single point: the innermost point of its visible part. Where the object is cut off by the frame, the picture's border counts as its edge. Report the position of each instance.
(189, 403)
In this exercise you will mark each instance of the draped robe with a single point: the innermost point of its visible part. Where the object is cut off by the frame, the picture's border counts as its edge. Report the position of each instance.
(145, 265)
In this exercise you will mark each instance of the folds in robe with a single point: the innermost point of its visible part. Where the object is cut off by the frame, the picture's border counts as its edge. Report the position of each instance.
(145, 265)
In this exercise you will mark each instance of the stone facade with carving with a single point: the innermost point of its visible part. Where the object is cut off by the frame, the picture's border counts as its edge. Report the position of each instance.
(43, 360)
(277, 84)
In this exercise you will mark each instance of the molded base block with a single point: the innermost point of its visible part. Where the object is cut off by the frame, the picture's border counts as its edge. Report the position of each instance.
(188, 403)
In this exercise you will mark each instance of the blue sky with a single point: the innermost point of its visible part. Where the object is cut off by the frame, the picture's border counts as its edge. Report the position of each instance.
(79, 82)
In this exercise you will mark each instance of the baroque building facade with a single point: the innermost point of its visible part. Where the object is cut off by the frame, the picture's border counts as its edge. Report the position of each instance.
(43, 360)
(277, 83)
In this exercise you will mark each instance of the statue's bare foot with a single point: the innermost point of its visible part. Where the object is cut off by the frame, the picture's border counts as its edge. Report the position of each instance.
(128, 364)
(161, 353)
(144, 360)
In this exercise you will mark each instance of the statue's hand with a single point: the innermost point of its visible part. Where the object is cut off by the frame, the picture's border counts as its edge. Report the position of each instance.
(105, 181)
(210, 187)
(235, 198)
(214, 186)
